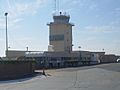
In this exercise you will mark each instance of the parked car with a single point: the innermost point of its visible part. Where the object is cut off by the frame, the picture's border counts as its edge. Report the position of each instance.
(118, 60)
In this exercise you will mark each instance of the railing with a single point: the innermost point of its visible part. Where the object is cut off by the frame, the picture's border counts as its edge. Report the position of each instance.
(60, 13)
(34, 53)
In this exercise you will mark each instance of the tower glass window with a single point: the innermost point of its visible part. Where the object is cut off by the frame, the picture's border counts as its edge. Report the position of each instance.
(56, 37)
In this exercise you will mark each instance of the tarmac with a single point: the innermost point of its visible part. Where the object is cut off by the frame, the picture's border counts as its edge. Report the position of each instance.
(98, 77)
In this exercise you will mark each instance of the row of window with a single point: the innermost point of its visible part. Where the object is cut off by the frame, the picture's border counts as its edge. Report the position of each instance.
(56, 37)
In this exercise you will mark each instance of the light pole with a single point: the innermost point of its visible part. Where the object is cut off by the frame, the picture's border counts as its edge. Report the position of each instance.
(79, 52)
(103, 49)
(44, 64)
(27, 49)
(6, 35)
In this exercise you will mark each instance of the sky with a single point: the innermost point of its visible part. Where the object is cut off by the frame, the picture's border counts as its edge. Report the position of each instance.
(97, 24)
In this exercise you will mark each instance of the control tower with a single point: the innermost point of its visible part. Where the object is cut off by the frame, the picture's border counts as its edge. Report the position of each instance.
(60, 33)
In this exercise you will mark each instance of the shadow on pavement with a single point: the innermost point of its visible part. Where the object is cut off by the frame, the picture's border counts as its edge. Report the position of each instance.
(21, 79)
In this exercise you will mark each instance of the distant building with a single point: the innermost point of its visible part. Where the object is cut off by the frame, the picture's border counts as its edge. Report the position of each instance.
(15, 53)
(95, 57)
(110, 58)
(61, 59)
(58, 59)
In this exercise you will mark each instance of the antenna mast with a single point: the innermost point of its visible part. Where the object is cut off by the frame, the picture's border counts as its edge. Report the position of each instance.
(56, 6)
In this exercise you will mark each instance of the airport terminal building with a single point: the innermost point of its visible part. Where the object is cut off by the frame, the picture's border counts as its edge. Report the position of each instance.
(60, 53)
(58, 59)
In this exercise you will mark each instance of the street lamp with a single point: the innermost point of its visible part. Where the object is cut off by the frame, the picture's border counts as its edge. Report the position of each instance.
(79, 52)
(44, 63)
(103, 49)
(79, 47)
(6, 35)
(27, 49)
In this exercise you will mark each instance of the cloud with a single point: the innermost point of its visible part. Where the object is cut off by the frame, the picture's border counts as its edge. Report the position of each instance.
(117, 9)
(21, 8)
(115, 23)
(1, 40)
(70, 5)
(22, 43)
(2, 24)
(116, 12)
(16, 11)
(102, 29)
(14, 23)
(93, 6)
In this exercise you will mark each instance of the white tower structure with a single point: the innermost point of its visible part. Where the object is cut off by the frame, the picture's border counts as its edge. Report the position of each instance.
(60, 33)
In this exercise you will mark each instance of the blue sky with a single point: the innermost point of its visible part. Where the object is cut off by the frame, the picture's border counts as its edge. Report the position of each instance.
(97, 24)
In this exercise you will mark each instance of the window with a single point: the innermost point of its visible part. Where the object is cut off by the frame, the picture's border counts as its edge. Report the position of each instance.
(56, 37)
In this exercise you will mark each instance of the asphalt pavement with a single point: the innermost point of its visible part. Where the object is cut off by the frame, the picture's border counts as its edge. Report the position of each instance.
(97, 77)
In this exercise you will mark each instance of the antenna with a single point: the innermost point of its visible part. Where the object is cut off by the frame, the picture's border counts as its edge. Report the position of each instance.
(56, 5)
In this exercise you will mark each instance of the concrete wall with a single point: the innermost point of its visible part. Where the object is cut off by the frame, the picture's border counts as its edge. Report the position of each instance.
(15, 69)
